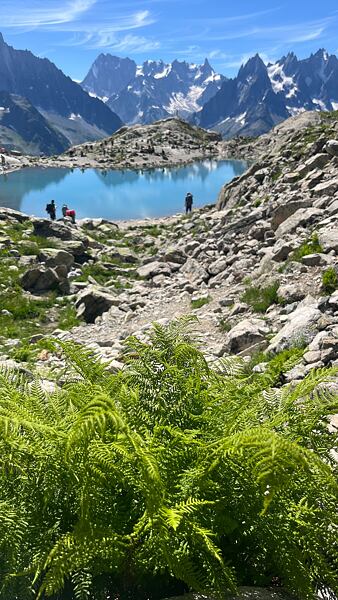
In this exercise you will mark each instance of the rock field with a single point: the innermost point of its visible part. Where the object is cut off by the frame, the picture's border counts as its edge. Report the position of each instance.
(259, 270)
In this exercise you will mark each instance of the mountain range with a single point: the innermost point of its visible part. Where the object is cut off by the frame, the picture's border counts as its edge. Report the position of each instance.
(152, 91)
(250, 104)
(44, 111)
(68, 113)
(262, 96)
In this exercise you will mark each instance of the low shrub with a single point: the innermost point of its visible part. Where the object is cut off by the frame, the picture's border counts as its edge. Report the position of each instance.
(224, 325)
(330, 281)
(260, 298)
(312, 246)
(199, 302)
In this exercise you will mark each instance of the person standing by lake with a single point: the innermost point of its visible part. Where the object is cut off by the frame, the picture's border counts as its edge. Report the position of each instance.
(188, 203)
(51, 210)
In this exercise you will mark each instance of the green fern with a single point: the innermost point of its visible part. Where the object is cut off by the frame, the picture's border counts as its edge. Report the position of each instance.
(169, 470)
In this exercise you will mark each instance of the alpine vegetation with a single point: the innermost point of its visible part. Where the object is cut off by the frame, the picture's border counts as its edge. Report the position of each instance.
(166, 476)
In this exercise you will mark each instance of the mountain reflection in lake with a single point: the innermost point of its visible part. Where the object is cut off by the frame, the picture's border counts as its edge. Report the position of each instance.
(117, 194)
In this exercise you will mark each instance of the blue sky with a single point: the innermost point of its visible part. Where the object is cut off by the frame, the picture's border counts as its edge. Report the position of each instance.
(71, 33)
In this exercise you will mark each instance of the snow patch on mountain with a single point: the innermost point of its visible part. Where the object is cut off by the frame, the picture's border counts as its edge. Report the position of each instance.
(281, 82)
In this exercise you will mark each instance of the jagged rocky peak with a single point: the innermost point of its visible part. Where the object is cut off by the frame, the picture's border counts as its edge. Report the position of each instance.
(263, 95)
(254, 66)
(108, 75)
(154, 89)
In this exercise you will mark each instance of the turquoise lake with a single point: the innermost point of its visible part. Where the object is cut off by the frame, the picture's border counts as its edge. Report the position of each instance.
(117, 195)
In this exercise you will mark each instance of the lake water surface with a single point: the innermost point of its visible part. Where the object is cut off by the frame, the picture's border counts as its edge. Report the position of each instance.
(117, 194)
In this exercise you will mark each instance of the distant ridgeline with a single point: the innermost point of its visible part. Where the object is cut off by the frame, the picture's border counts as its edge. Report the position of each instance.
(44, 111)
(48, 112)
(259, 97)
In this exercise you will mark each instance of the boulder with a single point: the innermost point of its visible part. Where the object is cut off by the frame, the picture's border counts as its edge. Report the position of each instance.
(327, 188)
(318, 161)
(218, 266)
(153, 269)
(123, 255)
(261, 175)
(299, 329)
(302, 217)
(194, 270)
(284, 211)
(290, 293)
(175, 255)
(40, 279)
(46, 228)
(314, 260)
(281, 251)
(259, 229)
(331, 147)
(245, 334)
(54, 257)
(328, 239)
(93, 301)
(333, 208)
(11, 214)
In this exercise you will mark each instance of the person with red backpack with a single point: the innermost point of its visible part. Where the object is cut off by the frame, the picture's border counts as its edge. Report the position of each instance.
(67, 212)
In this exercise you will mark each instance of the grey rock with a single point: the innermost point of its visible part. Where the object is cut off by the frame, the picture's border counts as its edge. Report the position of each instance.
(285, 210)
(331, 147)
(8, 365)
(11, 214)
(93, 301)
(40, 279)
(327, 187)
(218, 266)
(153, 269)
(175, 255)
(312, 357)
(194, 270)
(123, 255)
(259, 229)
(332, 209)
(290, 293)
(300, 328)
(328, 239)
(314, 260)
(245, 334)
(54, 257)
(46, 228)
(281, 251)
(318, 161)
(302, 217)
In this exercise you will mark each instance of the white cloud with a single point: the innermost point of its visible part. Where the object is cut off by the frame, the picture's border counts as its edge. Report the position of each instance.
(135, 44)
(105, 34)
(36, 13)
(110, 41)
(294, 33)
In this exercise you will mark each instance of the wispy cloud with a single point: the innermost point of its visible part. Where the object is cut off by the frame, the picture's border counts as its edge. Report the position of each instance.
(132, 43)
(107, 40)
(294, 33)
(221, 21)
(36, 13)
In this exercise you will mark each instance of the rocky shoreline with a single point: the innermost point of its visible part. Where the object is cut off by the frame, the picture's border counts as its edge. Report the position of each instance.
(167, 143)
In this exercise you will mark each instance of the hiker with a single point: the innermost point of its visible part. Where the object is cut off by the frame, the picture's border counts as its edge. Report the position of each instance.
(67, 212)
(51, 210)
(188, 202)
